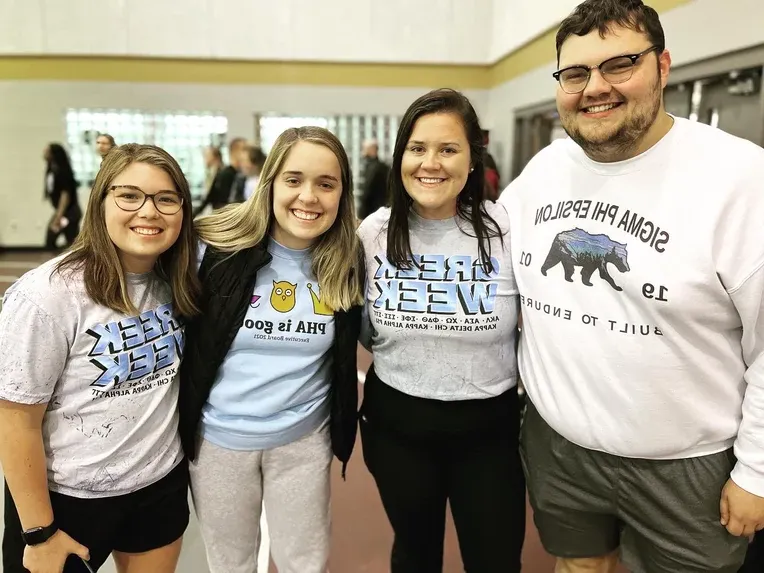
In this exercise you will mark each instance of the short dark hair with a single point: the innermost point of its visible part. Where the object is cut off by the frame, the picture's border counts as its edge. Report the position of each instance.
(602, 14)
(469, 202)
(108, 137)
(256, 155)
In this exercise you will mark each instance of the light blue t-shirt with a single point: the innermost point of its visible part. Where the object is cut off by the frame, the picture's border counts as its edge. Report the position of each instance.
(273, 386)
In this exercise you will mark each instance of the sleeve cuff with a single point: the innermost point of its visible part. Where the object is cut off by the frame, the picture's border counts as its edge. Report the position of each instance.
(748, 479)
(25, 399)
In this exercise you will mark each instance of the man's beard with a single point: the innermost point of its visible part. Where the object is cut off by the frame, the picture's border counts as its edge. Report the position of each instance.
(624, 140)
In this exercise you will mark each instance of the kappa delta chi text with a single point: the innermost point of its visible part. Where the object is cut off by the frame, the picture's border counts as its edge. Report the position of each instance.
(135, 348)
(438, 288)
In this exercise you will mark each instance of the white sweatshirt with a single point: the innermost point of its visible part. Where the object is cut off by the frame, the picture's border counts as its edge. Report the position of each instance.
(641, 288)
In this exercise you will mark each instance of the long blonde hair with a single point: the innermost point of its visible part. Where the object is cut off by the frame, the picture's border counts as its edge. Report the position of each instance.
(96, 255)
(334, 260)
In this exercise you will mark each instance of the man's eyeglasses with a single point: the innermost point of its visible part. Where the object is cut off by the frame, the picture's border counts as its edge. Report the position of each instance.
(573, 80)
(132, 198)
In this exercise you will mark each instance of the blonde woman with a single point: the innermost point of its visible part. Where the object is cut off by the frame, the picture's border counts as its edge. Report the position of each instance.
(270, 390)
(91, 344)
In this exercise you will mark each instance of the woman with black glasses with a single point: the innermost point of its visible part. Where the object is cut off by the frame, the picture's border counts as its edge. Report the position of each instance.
(91, 343)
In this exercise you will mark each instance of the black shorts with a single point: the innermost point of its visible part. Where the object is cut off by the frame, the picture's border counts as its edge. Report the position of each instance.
(147, 519)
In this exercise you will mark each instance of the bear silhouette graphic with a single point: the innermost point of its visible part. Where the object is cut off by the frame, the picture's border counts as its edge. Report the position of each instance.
(592, 253)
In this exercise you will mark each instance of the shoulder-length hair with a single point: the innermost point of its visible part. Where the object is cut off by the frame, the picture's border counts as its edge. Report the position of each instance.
(59, 164)
(97, 256)
(333, 255)
(469, 202)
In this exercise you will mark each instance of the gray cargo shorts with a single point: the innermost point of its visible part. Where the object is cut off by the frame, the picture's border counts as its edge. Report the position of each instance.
(663, 515)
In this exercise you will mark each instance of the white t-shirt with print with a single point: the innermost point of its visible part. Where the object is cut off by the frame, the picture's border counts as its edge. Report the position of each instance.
(109, 379)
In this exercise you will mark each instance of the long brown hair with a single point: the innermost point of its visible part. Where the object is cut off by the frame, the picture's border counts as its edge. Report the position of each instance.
(334, 260)
(470, 206)
(96, 255)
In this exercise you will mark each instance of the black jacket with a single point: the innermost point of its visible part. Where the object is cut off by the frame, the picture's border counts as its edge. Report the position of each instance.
(227, 285)
(63, 183)
(220, 191)
(374, 193)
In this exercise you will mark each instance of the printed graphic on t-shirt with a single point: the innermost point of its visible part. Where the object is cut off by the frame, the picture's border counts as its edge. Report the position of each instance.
(283, 296)
(437, 292)
(591, 252)
(135, 354)
(319, 306)
(577, 248)
(291, 322)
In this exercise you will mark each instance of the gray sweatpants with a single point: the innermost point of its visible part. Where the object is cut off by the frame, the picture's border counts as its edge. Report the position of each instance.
(293, 482)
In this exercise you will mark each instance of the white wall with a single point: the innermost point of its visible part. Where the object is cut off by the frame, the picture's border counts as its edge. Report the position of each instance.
(32, 114)
(515, 23)
(432, 31)
(695, 31)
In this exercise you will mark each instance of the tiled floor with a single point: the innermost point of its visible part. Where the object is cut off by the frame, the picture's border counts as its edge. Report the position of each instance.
(361, 535)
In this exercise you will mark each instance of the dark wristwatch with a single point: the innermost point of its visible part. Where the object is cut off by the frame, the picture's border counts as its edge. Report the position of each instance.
(38, 535)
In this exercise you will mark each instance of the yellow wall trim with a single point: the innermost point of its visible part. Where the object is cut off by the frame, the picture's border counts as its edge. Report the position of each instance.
(535, 53)
(108, 69)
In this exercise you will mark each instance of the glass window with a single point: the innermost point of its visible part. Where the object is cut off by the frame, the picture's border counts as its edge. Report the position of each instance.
(182, 134)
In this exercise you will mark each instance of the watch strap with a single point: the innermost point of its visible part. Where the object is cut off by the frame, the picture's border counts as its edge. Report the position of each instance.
(38, 535)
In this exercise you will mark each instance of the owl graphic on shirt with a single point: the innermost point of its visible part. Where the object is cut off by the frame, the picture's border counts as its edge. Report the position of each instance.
(283, 296)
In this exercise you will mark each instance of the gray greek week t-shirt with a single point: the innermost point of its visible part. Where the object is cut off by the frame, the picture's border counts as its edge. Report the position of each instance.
(109, 379)
(445, 330)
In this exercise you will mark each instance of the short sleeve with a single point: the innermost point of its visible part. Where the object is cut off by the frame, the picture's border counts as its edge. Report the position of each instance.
(34, 351)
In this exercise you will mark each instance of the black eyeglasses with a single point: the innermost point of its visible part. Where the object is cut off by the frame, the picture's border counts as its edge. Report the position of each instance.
(573, 80)
(132, 198)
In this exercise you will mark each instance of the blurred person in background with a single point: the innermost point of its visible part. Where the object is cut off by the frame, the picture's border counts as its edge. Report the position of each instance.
(440, 415)
(252, 163)
(492, 177)
(104, 144)
(92, 341)
(61, 191)
(375, 172)
(213, 163)
(223, 188)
